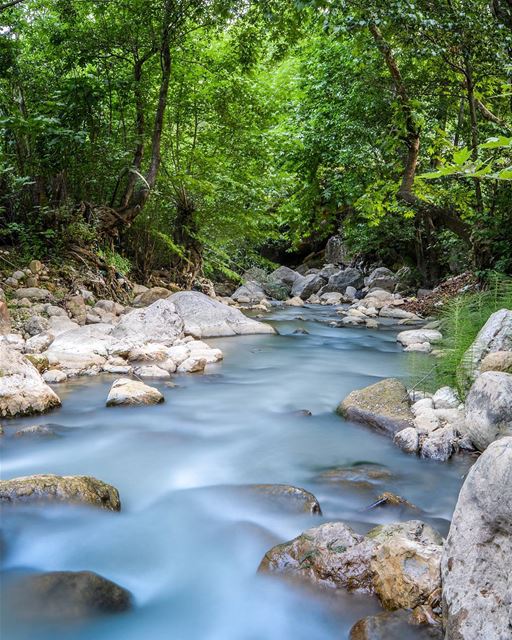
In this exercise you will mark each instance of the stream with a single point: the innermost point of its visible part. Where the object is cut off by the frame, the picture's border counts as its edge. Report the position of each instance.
(185, 544)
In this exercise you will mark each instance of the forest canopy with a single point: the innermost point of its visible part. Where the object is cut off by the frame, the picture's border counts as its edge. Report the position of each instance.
(209, 137)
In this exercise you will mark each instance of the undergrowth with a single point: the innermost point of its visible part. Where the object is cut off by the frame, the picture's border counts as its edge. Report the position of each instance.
(461, 320)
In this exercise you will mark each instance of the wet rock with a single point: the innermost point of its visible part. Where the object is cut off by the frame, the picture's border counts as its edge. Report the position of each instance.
(385, 406)
(476, 556)
(149, 296)
(497, 361)
(36, 431)
(394, 625)
(495, 335)
(361, 476)
(51, 488)
(132, 393)
(34, 294)
(287, 497)
(22, 389)
(408, 440)
(206, 318)
(301, 332)
(392, 500)
(303, 413)
(66, 595)
(489, 408)
(399, 563)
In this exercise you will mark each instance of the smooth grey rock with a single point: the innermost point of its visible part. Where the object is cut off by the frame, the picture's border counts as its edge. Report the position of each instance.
(35, 325)
(65, 596)
(249, 292)
(439, 445)
(446, 398)
(34, 294)
(340, 281)
(160, 322)
(407, 440)
(203, 317)
(415, 336)
(489, 408)
(22, 389)
(307, 286)
(477, 581)
(495, 335)
(382, 278)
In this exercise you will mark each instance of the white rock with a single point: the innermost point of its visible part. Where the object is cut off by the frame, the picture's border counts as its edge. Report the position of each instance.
(446, 398)
(61, 324)
(178, 353)
(193, 364)
(13, 341)
(426, 421)
(54, 376)
(419, 347)
(407, 440)
(416, 336)
(132, 392)
(159, 322)
(22, 389)
(148, 353)
(38, 343)
(118, 369)
(207, 318)
(393, 312)
(151, 371)
(294, 302)
(420, 405)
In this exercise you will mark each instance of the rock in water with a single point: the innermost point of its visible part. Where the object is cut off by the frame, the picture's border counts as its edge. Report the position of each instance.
(385, 406)
(399, 563)
(66, 595)
(477, 583)
(50, 488)
(291, 498)
(206, 318)
(22, 389)
(489, 408)
(125, 391)
(394, 625)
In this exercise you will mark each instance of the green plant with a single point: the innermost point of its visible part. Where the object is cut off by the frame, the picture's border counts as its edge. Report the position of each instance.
(461, 320)
(115, 260)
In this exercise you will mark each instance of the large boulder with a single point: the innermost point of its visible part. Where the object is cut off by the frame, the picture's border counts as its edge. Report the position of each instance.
(340, 281)
(382, 278)
(399, 563)
(160, 322)
(476, 557)
(65, 595)
(249, 293)
(127, 392)
(385, 406)
(495, 335)
(335, 251)
(489, 408)
(22, 389)
(497, 361)
(419, 336)
(280, 282)
(206, 318)
(51, 488)
(307, 286)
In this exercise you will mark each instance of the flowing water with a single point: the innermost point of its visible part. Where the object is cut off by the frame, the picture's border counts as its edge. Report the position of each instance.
(186, 545)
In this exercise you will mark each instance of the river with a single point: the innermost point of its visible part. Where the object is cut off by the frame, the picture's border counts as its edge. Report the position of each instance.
(185, 545)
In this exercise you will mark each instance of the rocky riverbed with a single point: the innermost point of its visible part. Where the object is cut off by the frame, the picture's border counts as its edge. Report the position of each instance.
(150, 473)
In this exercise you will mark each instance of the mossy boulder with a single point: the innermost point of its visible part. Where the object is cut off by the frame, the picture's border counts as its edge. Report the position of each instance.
(385, 406)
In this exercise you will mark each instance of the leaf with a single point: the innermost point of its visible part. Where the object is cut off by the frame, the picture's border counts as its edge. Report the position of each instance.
(461, 156)
(497, 143)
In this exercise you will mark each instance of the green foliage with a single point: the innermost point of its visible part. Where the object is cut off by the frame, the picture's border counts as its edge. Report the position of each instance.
(461, 320)
(115, 260)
